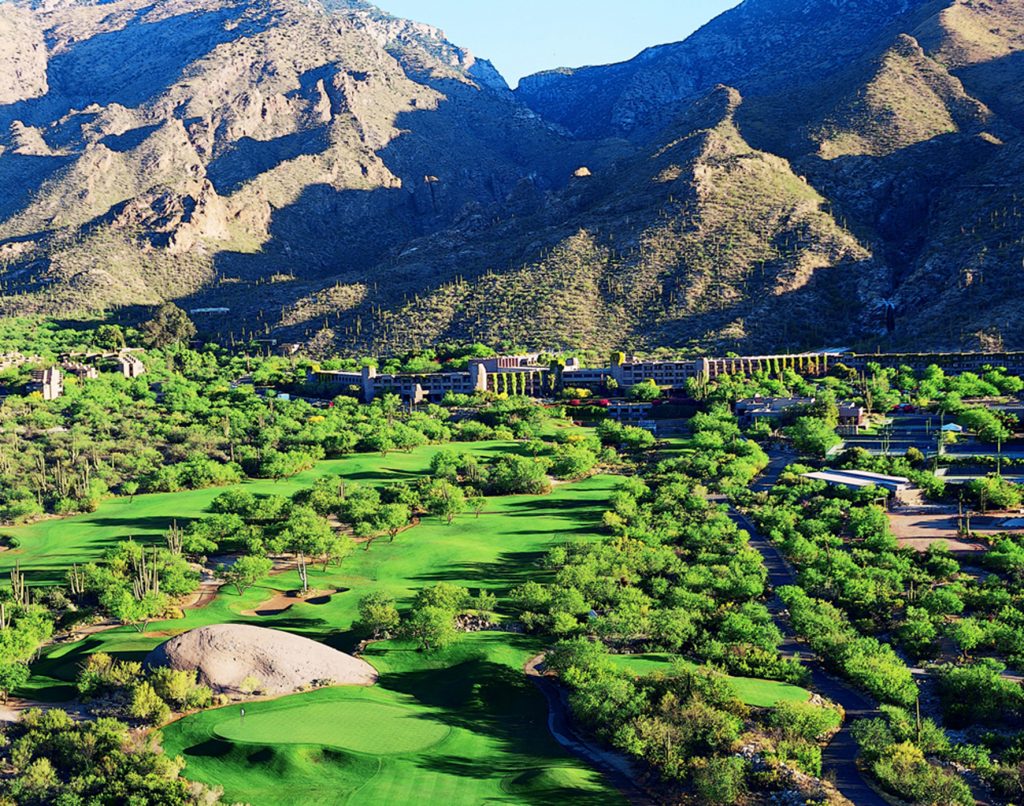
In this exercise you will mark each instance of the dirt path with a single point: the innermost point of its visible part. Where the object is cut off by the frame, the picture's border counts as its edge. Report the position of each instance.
(620, 770)
(12, 710)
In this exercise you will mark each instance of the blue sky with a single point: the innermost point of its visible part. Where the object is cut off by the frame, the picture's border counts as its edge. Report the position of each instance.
(526, 36)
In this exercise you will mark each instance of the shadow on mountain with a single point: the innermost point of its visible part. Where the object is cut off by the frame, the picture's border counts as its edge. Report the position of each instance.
(20, 177)
(896, 195)
(248, 158)
(453, 162)
(130, 139)
(128, 66)
(997, 83)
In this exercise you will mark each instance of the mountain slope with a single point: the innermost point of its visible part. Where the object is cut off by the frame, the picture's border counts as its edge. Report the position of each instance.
(760, 47)
(910, 98)
(244, 129)
(706, 237)
(797, 173)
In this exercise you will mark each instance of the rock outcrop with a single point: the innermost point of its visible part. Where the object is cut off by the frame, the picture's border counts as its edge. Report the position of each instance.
(225, 655)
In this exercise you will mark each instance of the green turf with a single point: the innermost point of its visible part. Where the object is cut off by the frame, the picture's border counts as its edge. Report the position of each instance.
(463, 726)
(752, 691)
(365, 727)
(49, 547)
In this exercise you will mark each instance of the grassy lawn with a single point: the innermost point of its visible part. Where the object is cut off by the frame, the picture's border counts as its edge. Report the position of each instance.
(496, 551)
(48, 548)
(751, 690)
(463, 726)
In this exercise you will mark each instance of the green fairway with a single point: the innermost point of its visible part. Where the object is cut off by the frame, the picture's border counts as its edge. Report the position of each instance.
(496, 551)
(463, 725)
(49, 547)
(752, 691)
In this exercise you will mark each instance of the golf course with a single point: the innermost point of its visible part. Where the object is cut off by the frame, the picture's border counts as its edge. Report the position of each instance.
(463, 724)
(47, 548)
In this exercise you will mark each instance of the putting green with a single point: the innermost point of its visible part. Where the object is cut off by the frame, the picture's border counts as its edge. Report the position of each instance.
(365, 727)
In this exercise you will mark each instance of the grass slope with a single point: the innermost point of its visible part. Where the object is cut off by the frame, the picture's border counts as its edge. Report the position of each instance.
(478, 735)
(49, 547)
(751, 690)
(464, 725)
(495, 551)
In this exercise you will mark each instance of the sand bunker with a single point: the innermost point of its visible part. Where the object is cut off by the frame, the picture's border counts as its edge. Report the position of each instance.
(284, 600)
(226, 654)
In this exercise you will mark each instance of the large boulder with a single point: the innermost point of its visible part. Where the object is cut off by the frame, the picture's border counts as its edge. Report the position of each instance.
(226, 654)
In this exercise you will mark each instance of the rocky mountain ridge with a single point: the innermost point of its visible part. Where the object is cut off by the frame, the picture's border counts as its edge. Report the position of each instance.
(797, 173)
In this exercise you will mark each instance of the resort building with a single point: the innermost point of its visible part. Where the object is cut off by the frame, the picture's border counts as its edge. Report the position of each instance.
(47, 382)
(79, 370)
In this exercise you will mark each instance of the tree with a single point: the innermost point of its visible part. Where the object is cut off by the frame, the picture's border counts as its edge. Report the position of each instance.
(804, 720)
(305, 534)
(477, 502)
(445, 595)
(392, 518)
(124, 606)
(995, 492)
(130, 488)
(147, 705)
(109, 337)
(635, 438)
(812, 436)
(169, 325)
(445, 500)
(246, 571)
(968, 633)
(573, 461)
(378, 614)
(719, 780)
(94, 761)
(986, 425)
(180, 688)
(519, 475)
(433, 627)
(645, 390)
(13, 674)
(978, 693)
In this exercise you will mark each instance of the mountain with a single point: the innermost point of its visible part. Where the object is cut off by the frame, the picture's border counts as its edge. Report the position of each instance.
(796, 173)
(761, 47)
(199, 143)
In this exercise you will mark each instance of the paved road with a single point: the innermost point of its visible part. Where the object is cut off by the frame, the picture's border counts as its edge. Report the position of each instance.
(839, 759)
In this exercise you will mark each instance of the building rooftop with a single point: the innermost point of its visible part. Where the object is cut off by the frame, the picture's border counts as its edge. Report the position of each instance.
(860, 478)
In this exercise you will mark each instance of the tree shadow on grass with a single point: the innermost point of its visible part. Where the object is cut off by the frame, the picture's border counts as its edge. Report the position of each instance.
(524, 782)
(65, 666)
(383, 475)
(140, 526)
(509, 569)
(492, 699)
(211, 748)
(478, 695)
